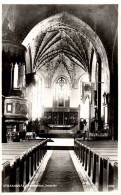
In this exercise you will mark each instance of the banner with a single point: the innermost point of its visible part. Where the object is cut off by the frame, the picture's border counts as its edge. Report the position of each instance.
(87, 91)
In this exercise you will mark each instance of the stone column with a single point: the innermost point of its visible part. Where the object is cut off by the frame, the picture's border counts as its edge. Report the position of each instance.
(105, 112)
(113, 102)
(79, 118)
(99, 92)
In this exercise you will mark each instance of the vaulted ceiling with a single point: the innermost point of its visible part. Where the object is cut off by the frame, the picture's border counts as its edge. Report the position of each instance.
(102, 18)
(60, 42)
(56, 42)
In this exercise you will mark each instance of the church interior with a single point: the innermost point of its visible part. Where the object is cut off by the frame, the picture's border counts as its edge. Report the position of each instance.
(59, 97)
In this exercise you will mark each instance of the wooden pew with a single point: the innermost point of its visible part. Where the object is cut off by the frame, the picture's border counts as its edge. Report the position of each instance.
(29, 156)
(25, 162)
(5, 176)
(99, 142)
(84, 155)
(116, 175)
(14, 173)
(91, 162)
(37, 151)
(106, 175)
(98, 166)
(93, 155)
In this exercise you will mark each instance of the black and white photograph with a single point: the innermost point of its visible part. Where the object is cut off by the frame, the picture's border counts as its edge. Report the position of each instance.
(59, 97)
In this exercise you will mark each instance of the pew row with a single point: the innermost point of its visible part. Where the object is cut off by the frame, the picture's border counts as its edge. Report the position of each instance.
(20, 161)
(100, 161)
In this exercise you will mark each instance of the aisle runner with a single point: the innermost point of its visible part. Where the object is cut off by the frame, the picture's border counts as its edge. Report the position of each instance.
(60, 174)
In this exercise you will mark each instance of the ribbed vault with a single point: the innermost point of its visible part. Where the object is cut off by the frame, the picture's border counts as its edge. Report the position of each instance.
(63, 39)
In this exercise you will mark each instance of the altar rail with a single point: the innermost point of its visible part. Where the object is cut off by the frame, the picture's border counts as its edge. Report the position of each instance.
(20, 161)
(100, 161)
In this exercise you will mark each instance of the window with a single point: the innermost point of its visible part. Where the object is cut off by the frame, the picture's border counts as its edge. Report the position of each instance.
(15, 81)
(37, 98)
(61, 91)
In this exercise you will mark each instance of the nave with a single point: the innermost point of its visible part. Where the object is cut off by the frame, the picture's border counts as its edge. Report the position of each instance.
(60, 174)
(31, 166)
(60, 97)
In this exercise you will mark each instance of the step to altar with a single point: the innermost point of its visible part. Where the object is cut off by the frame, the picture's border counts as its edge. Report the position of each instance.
(60, 127)
(61, 142)
(60, 147)
(60, 131)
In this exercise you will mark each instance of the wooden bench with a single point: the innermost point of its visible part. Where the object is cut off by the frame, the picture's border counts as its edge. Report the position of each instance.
(93, 156)
(6, 176)
(14, 174)
(23, 158)
(106, 173)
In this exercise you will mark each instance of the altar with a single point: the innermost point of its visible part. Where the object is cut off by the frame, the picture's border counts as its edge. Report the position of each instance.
(61, 118)
(60, 127)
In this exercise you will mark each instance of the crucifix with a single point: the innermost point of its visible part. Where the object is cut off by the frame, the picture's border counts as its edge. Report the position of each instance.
(61, 82)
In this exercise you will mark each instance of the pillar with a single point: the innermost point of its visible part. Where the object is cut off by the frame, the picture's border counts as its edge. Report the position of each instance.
(105, 107)
(99, 92)
(79, 118)
(113, 102)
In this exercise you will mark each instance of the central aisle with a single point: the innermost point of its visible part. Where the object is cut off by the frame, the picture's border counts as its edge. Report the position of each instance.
(60, 174)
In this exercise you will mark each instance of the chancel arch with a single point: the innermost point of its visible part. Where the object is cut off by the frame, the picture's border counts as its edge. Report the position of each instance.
(65, 45)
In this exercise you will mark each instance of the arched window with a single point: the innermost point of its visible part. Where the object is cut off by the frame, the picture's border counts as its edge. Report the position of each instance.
(15, 78)
(61, 91)
(37, 98)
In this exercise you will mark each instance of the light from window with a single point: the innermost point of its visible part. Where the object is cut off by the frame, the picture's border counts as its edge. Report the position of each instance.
(15, 80)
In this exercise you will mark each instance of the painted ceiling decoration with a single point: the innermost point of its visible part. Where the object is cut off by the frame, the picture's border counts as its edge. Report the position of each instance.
(60, 65)
(61, 39)
(60, 44)
(18, 28)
